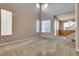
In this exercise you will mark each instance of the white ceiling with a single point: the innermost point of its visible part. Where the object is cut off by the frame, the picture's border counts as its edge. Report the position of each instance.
(57, 9)
(66, 16)
(47, 13)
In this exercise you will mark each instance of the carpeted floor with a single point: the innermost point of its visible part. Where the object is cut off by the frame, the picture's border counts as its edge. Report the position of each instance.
(39, 47)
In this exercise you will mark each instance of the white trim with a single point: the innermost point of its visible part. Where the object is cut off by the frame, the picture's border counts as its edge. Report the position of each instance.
(17, 40)
(77, 49)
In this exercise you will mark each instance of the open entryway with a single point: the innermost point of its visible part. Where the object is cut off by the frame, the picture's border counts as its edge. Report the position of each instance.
(65, 27)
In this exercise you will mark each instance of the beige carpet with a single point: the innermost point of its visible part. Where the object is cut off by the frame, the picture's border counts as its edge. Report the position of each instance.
(39, 47)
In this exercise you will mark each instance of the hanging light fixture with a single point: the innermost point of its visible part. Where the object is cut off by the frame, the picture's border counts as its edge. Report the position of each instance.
(37, 5)
(45, 5)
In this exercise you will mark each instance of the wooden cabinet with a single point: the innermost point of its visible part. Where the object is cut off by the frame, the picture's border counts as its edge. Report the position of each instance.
(65, 32)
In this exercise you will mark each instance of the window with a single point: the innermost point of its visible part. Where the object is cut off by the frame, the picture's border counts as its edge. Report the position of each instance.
(46, 26)
(6, 22)
(68, 24)
(37, 25)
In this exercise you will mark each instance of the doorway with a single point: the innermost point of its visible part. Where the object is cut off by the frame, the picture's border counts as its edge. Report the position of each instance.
(65, 28)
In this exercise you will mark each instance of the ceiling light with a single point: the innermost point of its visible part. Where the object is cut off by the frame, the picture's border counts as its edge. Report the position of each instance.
(45, 5)
(37, 5)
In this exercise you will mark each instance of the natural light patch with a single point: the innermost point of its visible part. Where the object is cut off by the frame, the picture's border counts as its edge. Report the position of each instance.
(46, 26)
(37, 26)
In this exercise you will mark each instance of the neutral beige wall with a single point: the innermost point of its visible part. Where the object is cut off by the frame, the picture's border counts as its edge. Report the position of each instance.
(24, 19)
(55, 9)
(61, 25)
(77, 44)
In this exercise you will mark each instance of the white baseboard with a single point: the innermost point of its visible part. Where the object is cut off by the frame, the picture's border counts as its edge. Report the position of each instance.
(18, 40)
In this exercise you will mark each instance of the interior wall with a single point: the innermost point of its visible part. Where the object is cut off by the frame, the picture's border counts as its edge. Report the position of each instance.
(52, 10)
(24, 19)
(45, 16)
(0, 22)
(61, 25)
(77, 41)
